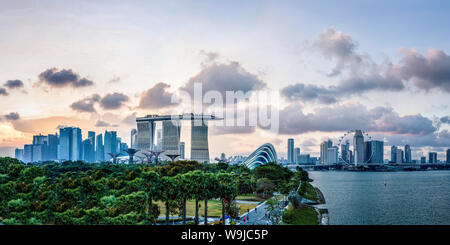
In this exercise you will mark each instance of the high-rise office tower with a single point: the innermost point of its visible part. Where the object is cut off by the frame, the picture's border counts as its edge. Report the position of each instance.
(52, 147)
(99, 150)
(18, 154)
(199, 140)
(432, 157)
(76, 144)
(448, 156)
(40, 148)
(28, 153)
(87, 151)
(423, 160)
(393, 154)
(332, 155)
(407, 154)
(358, 147)
(400, 157)
(110, 143)
(39, 139)
(291, 155)
(367, 151)
(38, 153)
(182, 150)
(297, 155)
(377, 151)
(344, 151)
(350, 157)
(324, 151)
(65, 144)
(91, 138)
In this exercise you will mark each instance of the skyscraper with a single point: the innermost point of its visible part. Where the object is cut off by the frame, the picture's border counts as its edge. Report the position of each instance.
(65, 144)
(182, 150)
(291, 155)
(297, 155)
(146, 131)
(344, 151)
(199, 140)
(407, 154)
(87, 149)
(28, 153)
(377, 148)
(38, 153)
(448, 156)
(99, 154)
(171, 137)
(76, 144)
(110, 143)
(367, 151)
(52, 147)
(332, 155)
(393, 154)
(358, 147)
(399, 155)
(324, 151)
(432, 157)
(18, 154)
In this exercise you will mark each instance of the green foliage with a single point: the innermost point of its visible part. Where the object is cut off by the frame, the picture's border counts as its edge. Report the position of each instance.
(300, 216)
(103, 193)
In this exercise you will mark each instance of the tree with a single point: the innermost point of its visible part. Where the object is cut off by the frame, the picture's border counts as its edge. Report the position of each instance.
(265, 187)
(227, 190)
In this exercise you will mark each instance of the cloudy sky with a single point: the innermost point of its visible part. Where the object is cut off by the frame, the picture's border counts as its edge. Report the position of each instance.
(383, 67)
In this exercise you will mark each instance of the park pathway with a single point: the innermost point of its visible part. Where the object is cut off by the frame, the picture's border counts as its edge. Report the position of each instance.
(256, 216)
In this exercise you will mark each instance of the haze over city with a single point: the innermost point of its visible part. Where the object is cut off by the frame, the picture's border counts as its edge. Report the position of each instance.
(98, 66)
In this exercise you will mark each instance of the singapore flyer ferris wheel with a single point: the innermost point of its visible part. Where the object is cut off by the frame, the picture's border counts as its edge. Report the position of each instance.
(343, 144)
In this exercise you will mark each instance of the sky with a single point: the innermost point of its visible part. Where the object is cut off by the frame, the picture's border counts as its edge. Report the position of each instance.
(379, 66)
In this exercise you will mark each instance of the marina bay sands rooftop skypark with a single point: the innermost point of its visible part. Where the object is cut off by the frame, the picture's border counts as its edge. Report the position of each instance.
(185, 116)
(171, 134)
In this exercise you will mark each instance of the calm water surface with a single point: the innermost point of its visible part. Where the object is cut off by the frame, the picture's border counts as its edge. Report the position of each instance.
(409, 198)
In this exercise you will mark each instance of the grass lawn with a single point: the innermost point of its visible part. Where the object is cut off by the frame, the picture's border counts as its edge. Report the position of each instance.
(300, 216)
(307, 191)
(214, 208)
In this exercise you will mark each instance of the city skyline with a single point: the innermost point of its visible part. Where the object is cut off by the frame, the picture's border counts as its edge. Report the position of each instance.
(385, 75)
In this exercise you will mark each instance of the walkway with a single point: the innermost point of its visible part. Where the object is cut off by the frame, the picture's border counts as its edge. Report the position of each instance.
(256, 216)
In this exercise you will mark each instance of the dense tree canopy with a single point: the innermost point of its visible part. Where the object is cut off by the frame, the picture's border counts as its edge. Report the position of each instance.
(105, 193)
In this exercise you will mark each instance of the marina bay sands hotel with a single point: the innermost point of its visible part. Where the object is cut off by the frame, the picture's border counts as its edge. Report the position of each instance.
(171, 128)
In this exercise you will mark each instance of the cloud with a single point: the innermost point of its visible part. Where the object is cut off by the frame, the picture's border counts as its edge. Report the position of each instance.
(445, 119)
(3, 92)
(156, 97)
(224, 77)
(86, 105)
(426, 72)
(361, 74)
(101, 123)
(48, 124)
(131, 119)
(353, 116)
(113, 101)
(12, 116)
(210, 57)
(309, 92)
(62, 78)
(12, 84)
